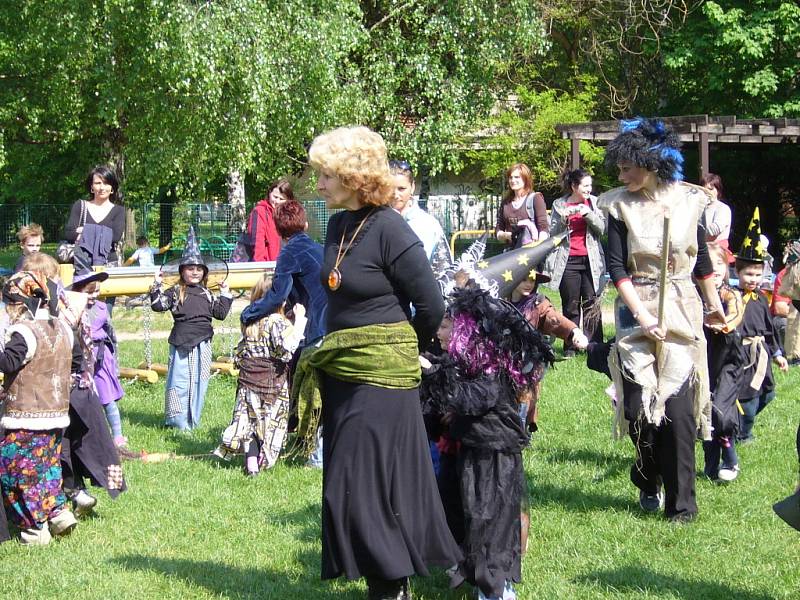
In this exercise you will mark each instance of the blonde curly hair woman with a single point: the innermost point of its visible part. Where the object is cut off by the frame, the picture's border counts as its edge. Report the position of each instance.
(382, 518)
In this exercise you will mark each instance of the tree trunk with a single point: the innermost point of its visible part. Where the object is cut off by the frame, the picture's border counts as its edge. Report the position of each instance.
(236, 200)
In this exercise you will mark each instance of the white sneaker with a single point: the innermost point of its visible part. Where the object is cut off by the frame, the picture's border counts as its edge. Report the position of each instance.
(84, 503)
(63, 523)
(508, 592)
(35, 537)
(728, 474)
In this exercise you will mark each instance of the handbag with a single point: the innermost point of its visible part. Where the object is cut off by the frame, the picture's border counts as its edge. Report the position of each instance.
(65, 252)
(246, 244)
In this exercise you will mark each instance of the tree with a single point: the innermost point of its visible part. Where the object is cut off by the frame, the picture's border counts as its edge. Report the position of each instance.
(427, 71)
(525, 132)
(737, 57)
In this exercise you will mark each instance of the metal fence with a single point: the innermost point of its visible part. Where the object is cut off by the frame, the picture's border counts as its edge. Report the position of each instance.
(216, 226)
(52, 218)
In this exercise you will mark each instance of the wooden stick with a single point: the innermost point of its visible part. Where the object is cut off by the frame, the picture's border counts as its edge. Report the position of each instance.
(662, 291)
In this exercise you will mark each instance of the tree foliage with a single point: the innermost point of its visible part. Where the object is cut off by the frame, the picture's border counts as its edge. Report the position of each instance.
(737, 57)
(180, 93)
(525, 132)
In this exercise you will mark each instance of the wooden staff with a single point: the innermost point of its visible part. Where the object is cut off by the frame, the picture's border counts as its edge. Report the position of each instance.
(662, 291)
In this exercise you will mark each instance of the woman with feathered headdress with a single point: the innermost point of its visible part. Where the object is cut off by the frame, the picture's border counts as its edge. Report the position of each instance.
(658, 362)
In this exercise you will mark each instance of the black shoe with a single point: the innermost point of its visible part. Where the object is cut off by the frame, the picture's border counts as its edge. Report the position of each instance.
(651, 502)
(388, 589)
(683, 518)
(569, 353)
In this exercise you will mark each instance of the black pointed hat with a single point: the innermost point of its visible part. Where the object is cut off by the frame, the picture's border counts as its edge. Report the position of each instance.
(191, 253)
(504, 272)
(753, 250)
(84, 277)
(216, 269)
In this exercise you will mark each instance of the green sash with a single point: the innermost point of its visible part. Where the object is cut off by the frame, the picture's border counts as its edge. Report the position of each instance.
(381, 355)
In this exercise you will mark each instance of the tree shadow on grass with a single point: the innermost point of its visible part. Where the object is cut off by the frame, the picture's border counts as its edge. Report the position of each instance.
(576, 499)
(301, 580)
(635, 579)
(239, 583)
(143, 418)
(612, 463)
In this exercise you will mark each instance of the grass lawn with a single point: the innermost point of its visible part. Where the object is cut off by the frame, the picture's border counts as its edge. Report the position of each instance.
(197, 528)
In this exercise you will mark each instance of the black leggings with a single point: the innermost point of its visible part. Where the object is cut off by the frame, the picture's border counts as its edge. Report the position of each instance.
(664, 454)
(577, 296)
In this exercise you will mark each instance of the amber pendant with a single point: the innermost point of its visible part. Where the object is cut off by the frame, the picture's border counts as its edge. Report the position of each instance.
(334, 279)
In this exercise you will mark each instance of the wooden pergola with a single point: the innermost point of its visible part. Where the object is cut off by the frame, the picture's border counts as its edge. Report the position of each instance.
(702, 130)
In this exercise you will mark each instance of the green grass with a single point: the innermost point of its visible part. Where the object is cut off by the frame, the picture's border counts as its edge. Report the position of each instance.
(197, 528)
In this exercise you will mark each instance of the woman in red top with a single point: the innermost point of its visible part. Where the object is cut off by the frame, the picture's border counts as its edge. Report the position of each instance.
(577, 266)
(261, 222)
(522, 216)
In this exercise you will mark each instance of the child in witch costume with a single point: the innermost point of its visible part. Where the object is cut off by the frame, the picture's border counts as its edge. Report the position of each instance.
(260, 416)
(35, 409)
(105, 368)
(543, 316)
(758, 333)
(193, 306)
(726, 359)
(492, 353)
(89, 451)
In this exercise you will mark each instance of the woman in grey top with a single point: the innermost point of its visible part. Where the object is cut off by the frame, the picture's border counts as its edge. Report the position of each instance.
(577, 266)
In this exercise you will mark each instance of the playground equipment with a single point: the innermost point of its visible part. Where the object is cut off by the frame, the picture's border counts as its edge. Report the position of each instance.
(134, 281)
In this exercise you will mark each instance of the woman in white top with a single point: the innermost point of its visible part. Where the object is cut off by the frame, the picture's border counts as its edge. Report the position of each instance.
(718, 214)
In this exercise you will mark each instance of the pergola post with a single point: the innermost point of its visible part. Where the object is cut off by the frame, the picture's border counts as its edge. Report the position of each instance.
(575, 146)
(703, 144)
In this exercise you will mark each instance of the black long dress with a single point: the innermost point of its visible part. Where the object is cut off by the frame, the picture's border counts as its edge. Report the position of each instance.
(381, 512)
(88, 450)
(489, 469)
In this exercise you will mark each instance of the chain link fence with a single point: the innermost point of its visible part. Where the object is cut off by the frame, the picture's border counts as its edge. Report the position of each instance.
(216, 226)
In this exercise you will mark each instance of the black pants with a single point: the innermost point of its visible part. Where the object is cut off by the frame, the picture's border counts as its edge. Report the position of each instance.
(664, 454)
(577, 296)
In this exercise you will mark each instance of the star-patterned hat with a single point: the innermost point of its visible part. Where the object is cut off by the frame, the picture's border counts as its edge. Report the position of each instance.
(753, 250)
(504, 272)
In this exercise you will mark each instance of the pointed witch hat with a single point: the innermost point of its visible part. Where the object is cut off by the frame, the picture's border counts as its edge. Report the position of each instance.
(215, 269)
(753, 250)
(466, 262)
(502, 273)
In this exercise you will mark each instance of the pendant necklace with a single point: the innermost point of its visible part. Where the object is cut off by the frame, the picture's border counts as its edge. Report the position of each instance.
(335, 276)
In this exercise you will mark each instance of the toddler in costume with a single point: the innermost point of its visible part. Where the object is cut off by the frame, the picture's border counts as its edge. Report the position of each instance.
(105, 367)
(89, 451)
(492, 353)
(542, 316)
(726, 359)
(260, 416)
(192, 306)
(35, 410)
(759, 337)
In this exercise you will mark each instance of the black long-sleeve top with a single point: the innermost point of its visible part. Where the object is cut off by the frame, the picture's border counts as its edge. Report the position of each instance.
(617, 255)
(115, 220)
(383, 274)
(12, 358)
(192, 316)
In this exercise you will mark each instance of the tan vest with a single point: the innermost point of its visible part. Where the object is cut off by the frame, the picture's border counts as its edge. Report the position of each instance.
(37, 396)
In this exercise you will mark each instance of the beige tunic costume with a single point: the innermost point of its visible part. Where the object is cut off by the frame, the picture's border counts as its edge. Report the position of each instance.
(661, 368)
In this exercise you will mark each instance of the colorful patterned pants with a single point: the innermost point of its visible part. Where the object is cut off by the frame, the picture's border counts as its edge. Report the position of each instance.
(30, 476)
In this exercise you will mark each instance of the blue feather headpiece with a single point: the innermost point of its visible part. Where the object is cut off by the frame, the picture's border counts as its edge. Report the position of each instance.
(650, 144)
